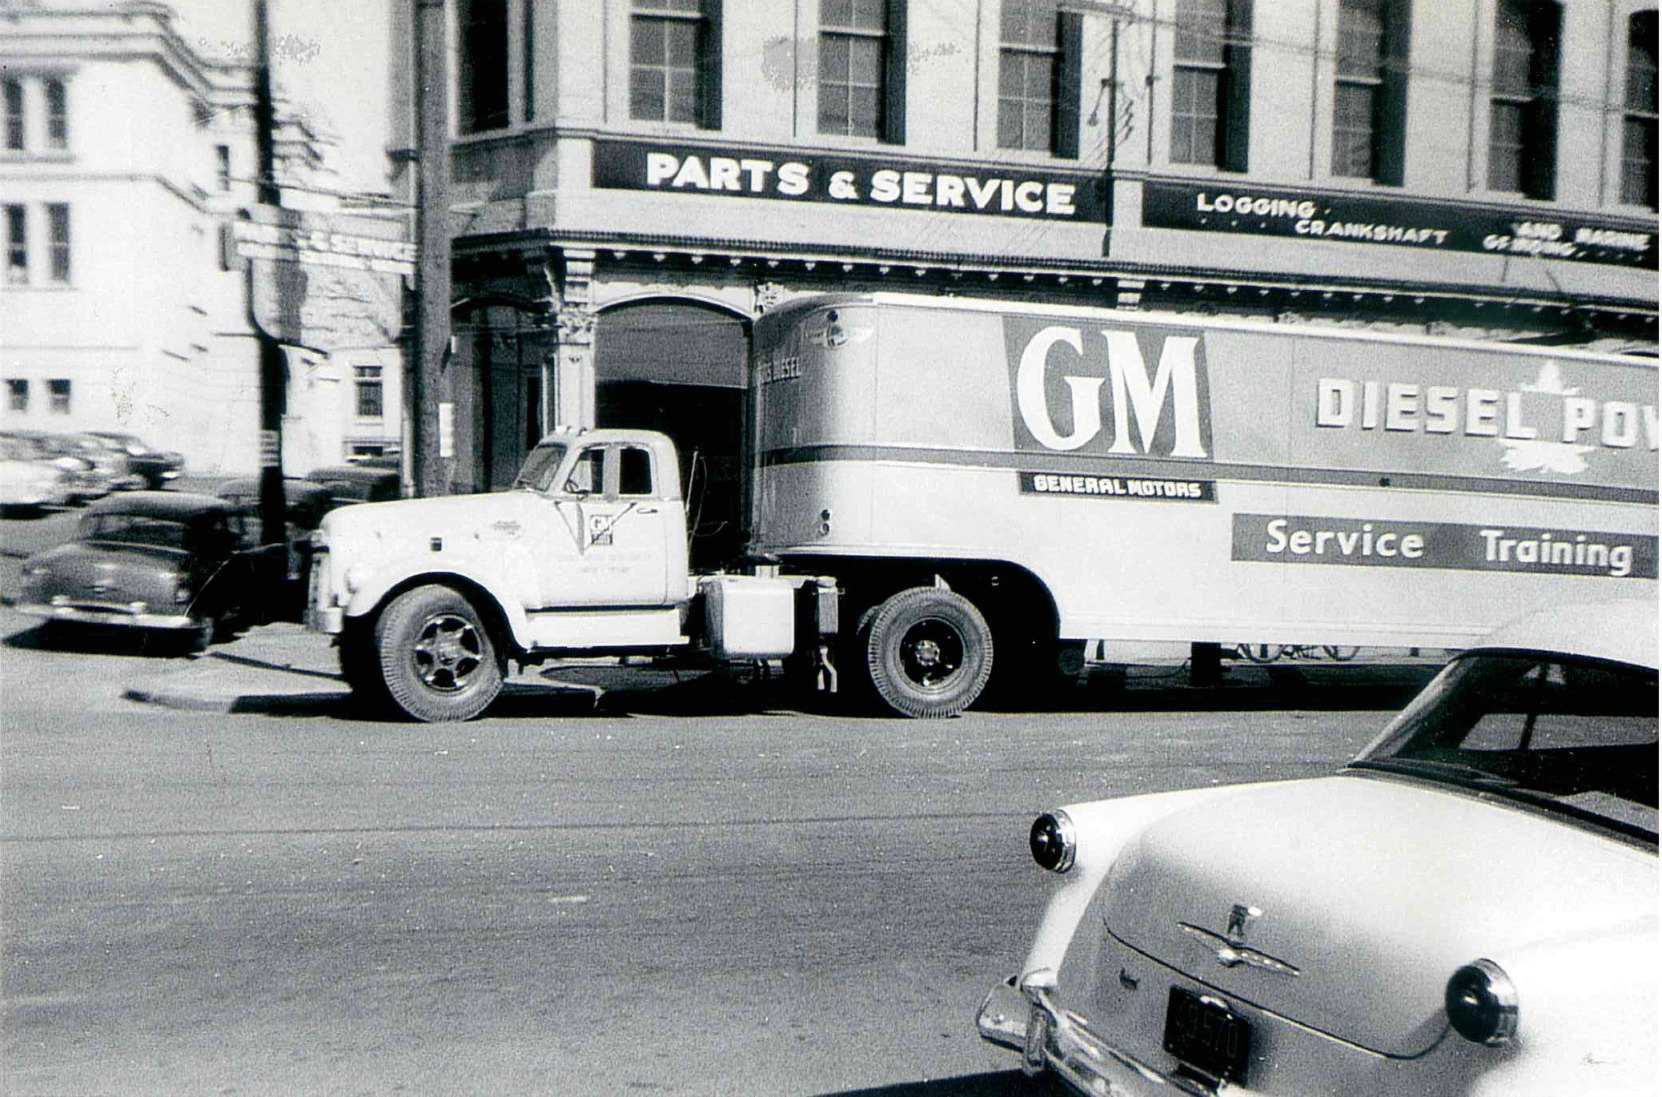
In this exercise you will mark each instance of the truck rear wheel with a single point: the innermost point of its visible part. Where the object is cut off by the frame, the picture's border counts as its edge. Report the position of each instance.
(437, 660)
(928, 652)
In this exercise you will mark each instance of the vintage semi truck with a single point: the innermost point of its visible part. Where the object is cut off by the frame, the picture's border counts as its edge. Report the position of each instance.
(943, 493)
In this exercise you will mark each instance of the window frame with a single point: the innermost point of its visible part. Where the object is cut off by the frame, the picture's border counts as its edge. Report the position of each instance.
(367, 379)
(704, 69)
(55, 92)
(60, 392)
(1639, 187)
(14, 104)
(1522, 157)
(482, 47)
(1224, 78)
(889, 91)
(17, 394)
(59, 243)
(17, 243)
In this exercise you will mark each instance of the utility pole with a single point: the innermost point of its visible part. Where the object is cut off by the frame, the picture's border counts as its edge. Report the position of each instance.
(273, 367)
(431, 399)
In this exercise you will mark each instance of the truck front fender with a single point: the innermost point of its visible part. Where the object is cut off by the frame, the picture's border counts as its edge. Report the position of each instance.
(483, 586)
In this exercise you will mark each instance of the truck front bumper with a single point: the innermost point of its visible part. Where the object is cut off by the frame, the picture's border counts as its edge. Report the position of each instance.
(330, 619)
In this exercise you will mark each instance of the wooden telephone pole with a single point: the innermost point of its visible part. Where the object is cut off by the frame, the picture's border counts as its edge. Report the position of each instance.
(431, 398)
(273, 366)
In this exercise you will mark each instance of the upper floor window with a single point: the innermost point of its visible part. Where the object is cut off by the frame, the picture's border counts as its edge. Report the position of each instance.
(1523, 107)
(1370, 100)
(482, 95)
(57, 224)
(367, 379)
(57, 114)
(57, 392)
(1211, 83)
(17, 245)
(675, 62)
(13, 94)
(1038, 78)
(1639, 113)
(17, 394)
(862, 68)
(222, 167)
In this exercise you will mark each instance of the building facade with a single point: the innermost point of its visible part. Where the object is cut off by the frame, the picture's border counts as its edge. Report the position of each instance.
(637, 180)
(125, 157)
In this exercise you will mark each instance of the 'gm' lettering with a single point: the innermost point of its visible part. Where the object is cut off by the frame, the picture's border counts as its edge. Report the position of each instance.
(1135, 398)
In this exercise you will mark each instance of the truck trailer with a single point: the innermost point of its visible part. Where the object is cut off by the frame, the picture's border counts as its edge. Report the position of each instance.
(945, 493)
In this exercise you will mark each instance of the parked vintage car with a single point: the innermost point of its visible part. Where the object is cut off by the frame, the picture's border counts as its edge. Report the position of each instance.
(1469, 907)
(114, 465)
(170, 561)
(154, 467)
(358, 483)
(305, 502)
(82, 478)
(28, 482)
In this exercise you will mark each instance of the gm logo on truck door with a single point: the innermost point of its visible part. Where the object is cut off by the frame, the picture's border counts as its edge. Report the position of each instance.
(1098, 389)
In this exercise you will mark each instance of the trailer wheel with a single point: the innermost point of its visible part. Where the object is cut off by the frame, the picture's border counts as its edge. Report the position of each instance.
(928, 652)
(437, 660)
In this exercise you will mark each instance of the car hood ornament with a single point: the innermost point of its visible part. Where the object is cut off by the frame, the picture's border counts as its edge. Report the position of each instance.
(1230, 947)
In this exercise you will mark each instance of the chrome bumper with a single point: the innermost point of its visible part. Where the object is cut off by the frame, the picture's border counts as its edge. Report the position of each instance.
(1027, 1019)
(86, 616)
(330, 619)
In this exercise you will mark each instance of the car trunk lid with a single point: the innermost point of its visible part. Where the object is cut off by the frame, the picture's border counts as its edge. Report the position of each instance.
(1346, 903)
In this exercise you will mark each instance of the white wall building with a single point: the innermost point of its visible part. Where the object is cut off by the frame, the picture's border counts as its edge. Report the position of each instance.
(124, 158)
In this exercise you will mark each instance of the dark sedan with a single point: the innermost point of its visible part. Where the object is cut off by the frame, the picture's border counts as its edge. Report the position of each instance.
(154, 466)
(359, 483)
(171, 561)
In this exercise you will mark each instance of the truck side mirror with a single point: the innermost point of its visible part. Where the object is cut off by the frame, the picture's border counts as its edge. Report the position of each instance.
(572, 488)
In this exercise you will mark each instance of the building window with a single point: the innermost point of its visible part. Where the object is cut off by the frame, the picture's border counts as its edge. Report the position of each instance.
(675, 62)
(57, 114)
(57, 389)
(482, 98)
(1370, 100)
(13, 94)
(368, 382)
(17, 394)
(1639, 117)
(222, 167)
(1211, 83)
(1523, 108)
(17, 245)
(862, 68)
(1038, 78)
(57, 222)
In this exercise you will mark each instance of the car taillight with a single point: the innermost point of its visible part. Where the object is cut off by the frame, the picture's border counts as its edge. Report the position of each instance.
(1482, 1003)
(1052, 841)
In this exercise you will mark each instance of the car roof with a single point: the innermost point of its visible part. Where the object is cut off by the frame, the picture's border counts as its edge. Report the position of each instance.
(353, 472)
(161, 504)
(1622, 631)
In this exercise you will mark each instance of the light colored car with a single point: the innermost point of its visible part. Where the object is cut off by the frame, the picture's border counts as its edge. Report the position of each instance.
(27, 481)
(1469, 907)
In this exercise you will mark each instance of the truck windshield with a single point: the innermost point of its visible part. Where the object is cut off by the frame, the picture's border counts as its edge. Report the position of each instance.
(1576, 734)
(540, 466)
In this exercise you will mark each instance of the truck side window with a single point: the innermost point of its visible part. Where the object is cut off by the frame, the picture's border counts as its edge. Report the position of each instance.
(585, 474)
(634, 471)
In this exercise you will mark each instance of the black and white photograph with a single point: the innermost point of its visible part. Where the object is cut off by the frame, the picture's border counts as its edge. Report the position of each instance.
(829, 548)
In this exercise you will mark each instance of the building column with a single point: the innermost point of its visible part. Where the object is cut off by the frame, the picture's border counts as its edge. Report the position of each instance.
(569, 381)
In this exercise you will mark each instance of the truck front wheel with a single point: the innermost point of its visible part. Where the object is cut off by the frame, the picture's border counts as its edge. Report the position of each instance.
(928, 652)
(437, 660)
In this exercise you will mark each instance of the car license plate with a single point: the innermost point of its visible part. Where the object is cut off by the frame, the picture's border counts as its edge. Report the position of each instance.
(1204, 1033)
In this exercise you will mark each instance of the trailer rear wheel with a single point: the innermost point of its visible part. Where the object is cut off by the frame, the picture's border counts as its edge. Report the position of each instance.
(928, 652)
(437, 660)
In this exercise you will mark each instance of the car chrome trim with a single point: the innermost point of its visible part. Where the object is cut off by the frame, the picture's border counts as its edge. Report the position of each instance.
(112, 616)
(1231, 952)
(1028, 1019)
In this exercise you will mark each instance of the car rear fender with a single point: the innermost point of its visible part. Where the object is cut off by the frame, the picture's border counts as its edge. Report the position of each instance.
(1101, 830)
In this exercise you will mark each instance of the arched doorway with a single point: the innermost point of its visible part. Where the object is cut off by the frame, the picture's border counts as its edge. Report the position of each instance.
(679, 367)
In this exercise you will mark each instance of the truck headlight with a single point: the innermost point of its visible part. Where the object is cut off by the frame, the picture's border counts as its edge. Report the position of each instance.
(1482, 1003)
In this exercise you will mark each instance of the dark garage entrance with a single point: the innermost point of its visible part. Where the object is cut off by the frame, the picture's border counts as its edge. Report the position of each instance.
(679, 368)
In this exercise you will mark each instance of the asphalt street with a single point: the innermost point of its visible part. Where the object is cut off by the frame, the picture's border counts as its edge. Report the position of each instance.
(687, 891)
